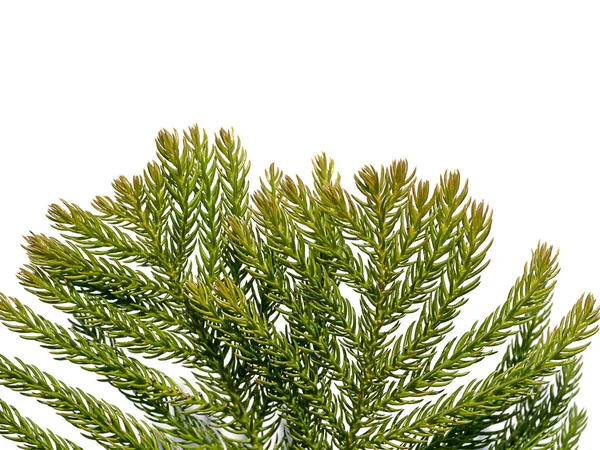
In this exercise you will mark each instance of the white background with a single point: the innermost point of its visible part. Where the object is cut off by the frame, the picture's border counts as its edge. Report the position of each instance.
(506, 92)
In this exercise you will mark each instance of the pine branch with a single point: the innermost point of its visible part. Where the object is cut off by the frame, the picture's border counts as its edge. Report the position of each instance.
(251, 292)
(98, 420)
(525, 300)
(571, 431)
(558, 347)
(25, 431)
(530, 300)
(534, 423)
(150, 390)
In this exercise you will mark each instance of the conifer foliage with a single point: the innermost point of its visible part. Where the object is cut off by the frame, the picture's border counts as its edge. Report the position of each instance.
(309, 317)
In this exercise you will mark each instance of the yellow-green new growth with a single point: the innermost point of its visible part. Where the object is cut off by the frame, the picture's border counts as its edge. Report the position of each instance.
(249, 292)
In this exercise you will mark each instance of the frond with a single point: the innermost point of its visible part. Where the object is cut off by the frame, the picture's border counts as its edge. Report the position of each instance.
(31, 436)
(253, 294)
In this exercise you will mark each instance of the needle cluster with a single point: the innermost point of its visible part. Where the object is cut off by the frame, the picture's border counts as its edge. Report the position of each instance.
(309, 317)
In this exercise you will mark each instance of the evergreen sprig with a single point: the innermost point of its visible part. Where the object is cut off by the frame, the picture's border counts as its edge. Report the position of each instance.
(254, 295)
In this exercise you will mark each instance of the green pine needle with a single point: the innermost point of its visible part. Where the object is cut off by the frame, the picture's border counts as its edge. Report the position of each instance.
(249, 291)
